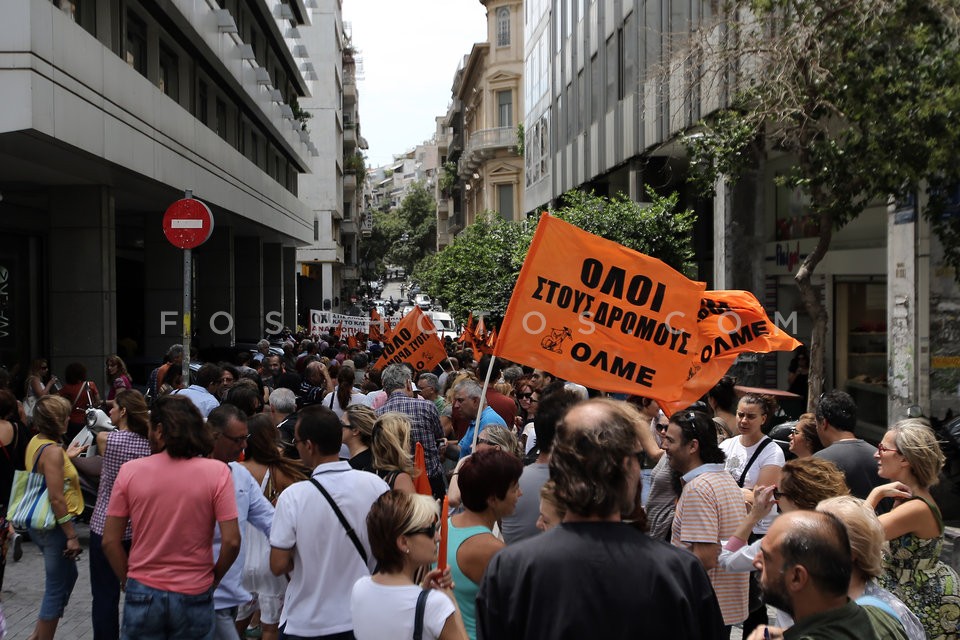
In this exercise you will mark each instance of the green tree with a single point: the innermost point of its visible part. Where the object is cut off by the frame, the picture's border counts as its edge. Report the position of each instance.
(864, 94)
(416, 221)
(478, 271)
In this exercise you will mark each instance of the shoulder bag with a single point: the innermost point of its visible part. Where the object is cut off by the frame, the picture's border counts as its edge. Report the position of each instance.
(29, 505)
(418, 619)
(753, 458)
(343, 520)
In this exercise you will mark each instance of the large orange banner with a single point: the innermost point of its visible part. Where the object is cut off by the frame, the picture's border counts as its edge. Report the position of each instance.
(414, 340)
(594, 312)
(729, 323)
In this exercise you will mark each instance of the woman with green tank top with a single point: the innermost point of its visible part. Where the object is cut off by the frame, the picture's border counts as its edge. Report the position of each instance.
(489, 489)
(910, 456)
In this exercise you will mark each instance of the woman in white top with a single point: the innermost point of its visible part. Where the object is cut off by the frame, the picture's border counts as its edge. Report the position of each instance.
(748, 467)
(404, 531)
(344, 394)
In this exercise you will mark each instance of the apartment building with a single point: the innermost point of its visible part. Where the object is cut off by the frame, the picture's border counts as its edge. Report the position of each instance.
(328, 266)
(112, 110)
(486, 110)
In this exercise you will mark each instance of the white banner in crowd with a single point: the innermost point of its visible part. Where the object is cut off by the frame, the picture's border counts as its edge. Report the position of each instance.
(325, 321)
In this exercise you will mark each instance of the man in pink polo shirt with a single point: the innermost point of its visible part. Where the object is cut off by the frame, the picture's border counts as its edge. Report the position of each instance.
(173, 499)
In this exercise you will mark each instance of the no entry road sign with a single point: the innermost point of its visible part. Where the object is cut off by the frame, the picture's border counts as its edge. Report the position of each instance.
(187, 223)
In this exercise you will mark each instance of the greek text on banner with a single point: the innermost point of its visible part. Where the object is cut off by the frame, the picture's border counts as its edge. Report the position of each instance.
(414, 340)
(595, 312)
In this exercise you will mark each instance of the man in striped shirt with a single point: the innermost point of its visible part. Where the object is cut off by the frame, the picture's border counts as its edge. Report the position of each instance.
(709, 508)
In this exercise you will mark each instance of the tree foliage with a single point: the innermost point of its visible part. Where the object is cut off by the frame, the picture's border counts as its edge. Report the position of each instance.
(864, 94)
(478, 271)
(405, 235)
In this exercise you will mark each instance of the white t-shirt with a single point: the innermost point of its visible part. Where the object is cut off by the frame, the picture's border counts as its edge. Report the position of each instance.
(737, 458)
(325, 562)
(388, 611)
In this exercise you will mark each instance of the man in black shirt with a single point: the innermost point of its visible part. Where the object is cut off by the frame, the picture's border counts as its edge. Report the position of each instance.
(595, 576)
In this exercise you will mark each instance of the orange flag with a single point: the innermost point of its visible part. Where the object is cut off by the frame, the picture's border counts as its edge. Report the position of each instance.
(375, 324)
(352, 341)
(729, 323)
(414, 340)
(487, 345)
(595, 312)
(421, 482)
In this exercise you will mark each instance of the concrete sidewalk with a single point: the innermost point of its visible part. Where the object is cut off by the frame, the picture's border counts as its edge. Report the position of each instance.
(23, 590)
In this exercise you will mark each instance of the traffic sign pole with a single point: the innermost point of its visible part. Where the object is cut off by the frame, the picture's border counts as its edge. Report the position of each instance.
(187, 224)
(187, 305)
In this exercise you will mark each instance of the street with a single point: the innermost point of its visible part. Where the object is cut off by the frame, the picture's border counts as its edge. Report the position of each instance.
(23, 590)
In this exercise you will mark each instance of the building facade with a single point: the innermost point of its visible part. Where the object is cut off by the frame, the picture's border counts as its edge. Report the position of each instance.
(608, 91)
(486, 110)
(113, 109)
(328, 266)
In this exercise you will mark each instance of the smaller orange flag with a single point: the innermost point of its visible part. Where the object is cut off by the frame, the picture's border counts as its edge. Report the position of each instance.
(375, 324)
(488, 345)
(421, 482)
(352, 341)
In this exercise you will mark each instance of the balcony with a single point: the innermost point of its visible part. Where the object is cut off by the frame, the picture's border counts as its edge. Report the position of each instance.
(349, 227)
(443, 208)
(350, 273)
(350, 138)
(484, 144)
(349, 185)
(349, 89)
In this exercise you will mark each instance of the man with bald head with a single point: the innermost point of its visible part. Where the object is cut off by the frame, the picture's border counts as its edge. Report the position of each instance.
(595, 575)
(805, 563)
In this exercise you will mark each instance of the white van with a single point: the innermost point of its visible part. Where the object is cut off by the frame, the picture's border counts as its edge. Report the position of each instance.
(444, 323)
(423, 301)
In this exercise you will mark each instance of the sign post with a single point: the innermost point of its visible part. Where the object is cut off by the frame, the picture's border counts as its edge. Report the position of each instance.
(187, 224)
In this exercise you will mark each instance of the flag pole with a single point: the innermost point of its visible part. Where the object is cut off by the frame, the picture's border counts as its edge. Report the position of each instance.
(483, 397)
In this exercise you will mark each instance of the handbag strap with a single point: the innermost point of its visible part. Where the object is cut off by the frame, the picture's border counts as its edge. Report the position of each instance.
(343, 520)
(418, 619)
(80, 393)
(753, 459)
(36, 460)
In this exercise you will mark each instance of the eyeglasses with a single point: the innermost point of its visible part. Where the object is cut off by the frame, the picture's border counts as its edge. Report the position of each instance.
(882, 449)
(430, 531)
(662, 427)
(524, 396)
(237, 439)
(777, 494)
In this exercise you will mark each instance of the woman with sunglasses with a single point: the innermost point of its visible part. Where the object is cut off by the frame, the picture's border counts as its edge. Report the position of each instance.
(804, 440)
(403, 531)
(357, 421)
(910, 456)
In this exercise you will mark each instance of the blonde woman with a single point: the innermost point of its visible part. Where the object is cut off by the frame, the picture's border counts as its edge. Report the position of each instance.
(60, 546)
(493, 437)
(390, 443)
(910, 457)
(866, 545)
(404, 530)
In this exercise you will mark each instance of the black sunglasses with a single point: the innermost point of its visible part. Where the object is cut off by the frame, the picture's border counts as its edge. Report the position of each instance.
(524, 395)
(662, 426)
(430, 531)
(237, 439)
(777, 494)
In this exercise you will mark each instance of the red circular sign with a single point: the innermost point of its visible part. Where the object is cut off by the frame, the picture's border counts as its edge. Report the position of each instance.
(187, 223)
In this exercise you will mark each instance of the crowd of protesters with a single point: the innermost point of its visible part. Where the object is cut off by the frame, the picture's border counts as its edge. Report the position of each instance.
(300, 495)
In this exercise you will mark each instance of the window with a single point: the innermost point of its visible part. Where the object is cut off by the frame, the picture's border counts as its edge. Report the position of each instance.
(135, 45)
(505, 108)
(221, 123)
(202, 102)
(595, 88)
(169, 73)
(612, 71)
(503, 27)
(505, 200)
